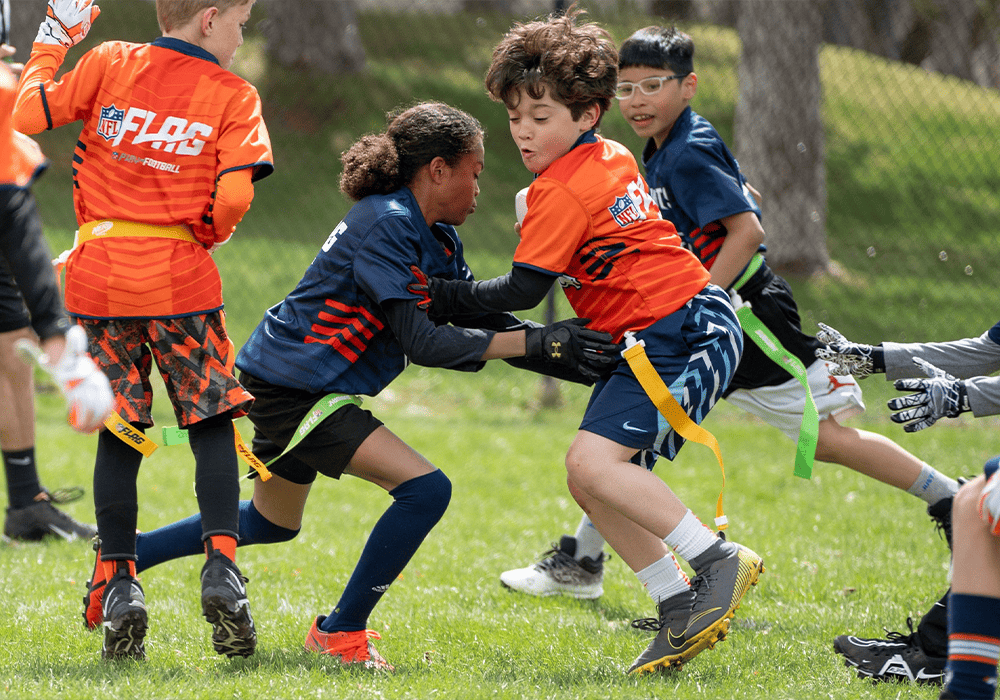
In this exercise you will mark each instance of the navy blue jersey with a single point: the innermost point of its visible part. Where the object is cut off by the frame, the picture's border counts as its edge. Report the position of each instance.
(330, 334)
(696, 182)
(994, 333)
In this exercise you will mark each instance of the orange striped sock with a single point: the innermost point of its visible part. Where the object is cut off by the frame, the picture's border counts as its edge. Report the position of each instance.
(221, 543)
(110, 567)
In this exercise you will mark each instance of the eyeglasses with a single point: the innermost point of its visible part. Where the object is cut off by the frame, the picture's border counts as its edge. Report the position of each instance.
(649, 86)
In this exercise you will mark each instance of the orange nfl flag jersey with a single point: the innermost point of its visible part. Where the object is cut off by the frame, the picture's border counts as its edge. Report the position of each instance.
(591, 220)
(162, 122)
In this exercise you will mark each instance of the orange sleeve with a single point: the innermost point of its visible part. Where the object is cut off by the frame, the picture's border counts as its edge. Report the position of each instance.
(20, 157)
(232, 201)
(42, 103)
(553, 228)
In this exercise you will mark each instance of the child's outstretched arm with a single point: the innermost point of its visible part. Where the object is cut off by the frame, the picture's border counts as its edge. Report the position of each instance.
(743, 238)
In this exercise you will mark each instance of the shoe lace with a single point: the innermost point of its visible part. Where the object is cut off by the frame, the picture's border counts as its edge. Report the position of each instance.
(65, 495)
(894, 636)
(554, 558)
(648, 624)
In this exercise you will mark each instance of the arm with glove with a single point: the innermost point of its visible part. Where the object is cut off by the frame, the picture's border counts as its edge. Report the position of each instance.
(947, 378)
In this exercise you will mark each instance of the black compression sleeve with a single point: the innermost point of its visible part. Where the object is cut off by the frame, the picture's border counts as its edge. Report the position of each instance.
(521, 288)
(435, 346)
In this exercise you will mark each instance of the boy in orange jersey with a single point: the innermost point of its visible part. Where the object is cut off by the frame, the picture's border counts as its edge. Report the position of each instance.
(592, 226)
(163, 171)
(31, 311)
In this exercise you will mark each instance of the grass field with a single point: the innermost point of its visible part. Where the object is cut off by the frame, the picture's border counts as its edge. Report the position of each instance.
(844, 554)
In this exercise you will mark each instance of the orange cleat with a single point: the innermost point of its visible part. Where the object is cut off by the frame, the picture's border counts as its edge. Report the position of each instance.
(351, 647)
(93, 610)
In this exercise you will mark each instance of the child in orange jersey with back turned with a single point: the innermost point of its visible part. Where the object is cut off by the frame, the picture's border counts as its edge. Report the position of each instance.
(163, 171)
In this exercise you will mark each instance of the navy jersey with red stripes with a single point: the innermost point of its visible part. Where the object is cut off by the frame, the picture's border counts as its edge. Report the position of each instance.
(330, 335)
(696, 182)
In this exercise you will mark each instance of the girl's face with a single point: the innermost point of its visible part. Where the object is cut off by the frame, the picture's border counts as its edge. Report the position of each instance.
(544, 129)
(461, 186)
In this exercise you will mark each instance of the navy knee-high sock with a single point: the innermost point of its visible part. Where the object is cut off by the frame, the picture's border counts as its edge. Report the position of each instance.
(973, 646)
(183, 538)
(417, 507)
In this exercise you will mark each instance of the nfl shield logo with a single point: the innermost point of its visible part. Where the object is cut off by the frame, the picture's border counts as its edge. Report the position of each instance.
(625, 211)
(110, 122)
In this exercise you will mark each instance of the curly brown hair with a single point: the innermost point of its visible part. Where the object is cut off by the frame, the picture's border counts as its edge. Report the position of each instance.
(577, 63)
(382, 163)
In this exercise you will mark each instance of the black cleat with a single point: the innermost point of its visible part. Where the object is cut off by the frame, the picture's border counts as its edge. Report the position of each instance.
(898, 657)
(42, 519)
(225, 605)
(125, 618)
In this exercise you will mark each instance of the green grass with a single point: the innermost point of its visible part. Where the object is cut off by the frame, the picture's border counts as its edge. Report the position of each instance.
(844, 555)
(911, 173)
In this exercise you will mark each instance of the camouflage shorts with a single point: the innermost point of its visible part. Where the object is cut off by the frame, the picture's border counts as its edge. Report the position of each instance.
(193, 354)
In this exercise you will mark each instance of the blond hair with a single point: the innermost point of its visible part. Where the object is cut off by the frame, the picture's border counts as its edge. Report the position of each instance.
(172, 14)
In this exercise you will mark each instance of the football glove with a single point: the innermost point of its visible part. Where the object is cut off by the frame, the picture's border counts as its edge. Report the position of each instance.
(572, 344)
(438, 296)
(89, 398)
(989, 503)
(939, 396)
(846, 357)
(67, 22)
(421, 288)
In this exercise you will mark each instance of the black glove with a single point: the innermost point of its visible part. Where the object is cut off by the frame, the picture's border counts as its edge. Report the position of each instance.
(940, 396)
(572, 344)
(437, 296)
(846, 357)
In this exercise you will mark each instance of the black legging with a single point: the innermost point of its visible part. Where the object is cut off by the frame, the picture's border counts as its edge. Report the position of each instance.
(216, 485)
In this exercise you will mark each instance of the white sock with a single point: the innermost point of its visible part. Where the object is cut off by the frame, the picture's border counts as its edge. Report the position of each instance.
(589, 542)
(663, 579)
(932, 485)
(691, 537)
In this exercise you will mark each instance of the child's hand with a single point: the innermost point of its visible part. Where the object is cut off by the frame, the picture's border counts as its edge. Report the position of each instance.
(939, 396)
(89, 398)
(571, 344)
(6, 51)
(67, 22)
(846, 357)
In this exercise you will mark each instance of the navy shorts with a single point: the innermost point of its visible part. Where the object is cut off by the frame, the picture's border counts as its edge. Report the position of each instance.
(695, 350)
(278, 411)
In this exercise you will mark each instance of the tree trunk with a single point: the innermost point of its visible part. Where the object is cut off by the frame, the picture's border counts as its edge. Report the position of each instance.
(25, 16)
(779, 129)
(316, 34)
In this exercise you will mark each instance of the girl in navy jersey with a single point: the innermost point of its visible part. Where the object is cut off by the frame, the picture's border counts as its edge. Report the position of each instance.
(349, 328)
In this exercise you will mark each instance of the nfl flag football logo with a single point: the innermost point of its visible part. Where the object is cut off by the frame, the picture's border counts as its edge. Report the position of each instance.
(625, 211)
(111, 122)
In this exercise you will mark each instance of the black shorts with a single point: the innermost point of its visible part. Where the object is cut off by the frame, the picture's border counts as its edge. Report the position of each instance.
(15, 210)
(278, 411)
(13, 313)
(771, 300)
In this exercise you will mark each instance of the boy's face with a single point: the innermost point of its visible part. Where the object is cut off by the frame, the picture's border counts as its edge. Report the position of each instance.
(544, 129)
(226, 32)
(461, 185)
(653, 116)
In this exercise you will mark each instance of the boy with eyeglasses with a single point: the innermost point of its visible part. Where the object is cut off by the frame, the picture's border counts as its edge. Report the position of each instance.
(698, 186)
